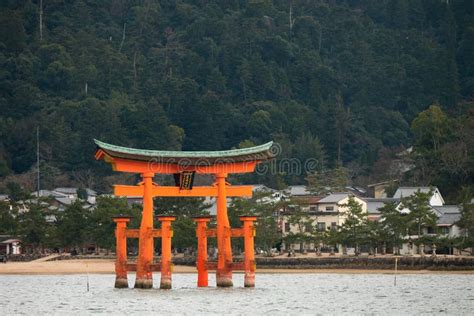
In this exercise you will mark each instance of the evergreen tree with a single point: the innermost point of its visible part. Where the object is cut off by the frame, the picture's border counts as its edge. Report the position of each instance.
(8, 221)
(327, 181)
(100, 228)
(72, 226)
(32, 226)
(344, 76)
(302, 223)
(467, 219)
(264, 207)
(393, 225)
(354, 230)
(420, 212)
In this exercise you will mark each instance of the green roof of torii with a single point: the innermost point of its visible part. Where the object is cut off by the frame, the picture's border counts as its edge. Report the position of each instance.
(261, 152)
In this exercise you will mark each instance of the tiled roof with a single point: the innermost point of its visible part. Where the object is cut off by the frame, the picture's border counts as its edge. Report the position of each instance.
(64, 200)
(9, 241)
(48, 193)
(409, 191)
(447, 214)
(73, 191)
(448, 209)
(261, 152)
(298, 190)
(448, 219)
(334, 197)
(374, 204)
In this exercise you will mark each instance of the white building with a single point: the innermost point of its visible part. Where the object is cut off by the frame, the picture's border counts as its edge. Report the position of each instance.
(329, 213)
(447, 215)
(435, 200)
(10, 247)
(374, 204)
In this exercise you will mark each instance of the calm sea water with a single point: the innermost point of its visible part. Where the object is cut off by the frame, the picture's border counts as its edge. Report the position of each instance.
(274, 294)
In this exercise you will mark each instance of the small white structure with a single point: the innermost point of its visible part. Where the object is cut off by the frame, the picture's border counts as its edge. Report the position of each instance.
(10, 247)
(330, 213)
(6, 199)
(435, 200)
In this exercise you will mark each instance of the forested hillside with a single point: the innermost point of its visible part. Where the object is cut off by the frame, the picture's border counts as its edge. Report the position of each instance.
(341, 81)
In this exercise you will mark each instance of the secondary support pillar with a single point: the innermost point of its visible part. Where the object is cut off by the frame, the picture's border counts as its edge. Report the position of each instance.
(201, 260)
(166, 234)
(144, 278)
(249, 260)
(224, 259)
(121, 252)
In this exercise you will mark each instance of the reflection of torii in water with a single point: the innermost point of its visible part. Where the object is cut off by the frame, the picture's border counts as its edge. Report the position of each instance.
(183, 165)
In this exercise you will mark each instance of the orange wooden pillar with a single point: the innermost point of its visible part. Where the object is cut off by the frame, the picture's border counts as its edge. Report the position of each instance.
(144, 278)
(166, 234)
(121, 252)
(249, 260)
(224, 259)
(201, 260)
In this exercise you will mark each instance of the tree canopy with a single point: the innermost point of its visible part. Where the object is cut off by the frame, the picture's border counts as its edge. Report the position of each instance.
(336, 81)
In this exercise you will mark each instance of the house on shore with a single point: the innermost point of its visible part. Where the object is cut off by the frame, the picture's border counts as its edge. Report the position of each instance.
(332, 209)
(436, 198)
(447, 216)
(10, 246)
(329, 213)
(326, 213)
(374, 204)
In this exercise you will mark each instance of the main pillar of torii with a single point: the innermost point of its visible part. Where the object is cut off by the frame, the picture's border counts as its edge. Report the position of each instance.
(183, 165)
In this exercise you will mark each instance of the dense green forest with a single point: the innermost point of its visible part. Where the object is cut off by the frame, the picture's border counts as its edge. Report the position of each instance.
(346, 82)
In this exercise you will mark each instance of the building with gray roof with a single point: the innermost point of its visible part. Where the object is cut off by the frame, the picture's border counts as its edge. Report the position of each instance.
(374, 204)
(48, 193)
(435, 200)
(298, 190)
(334, 197)
(73, 191)
(448, 215)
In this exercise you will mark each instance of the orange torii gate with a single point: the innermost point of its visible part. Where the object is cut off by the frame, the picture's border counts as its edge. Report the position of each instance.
(183, 165)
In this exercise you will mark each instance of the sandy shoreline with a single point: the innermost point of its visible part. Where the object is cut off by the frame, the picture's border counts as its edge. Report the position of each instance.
(104, 266)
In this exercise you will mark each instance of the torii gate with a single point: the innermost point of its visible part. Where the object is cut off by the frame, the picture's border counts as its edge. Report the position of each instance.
(183, 165)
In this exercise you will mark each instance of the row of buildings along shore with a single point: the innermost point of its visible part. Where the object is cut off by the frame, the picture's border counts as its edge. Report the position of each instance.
(328, 212)
(324, 213)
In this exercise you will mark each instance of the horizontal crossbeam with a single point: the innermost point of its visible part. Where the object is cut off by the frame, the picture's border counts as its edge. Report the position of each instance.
(132, 233)
(134, 166)
(171, 191)
(236, 266)
(234, 232)
(133, 267)
(135, 233)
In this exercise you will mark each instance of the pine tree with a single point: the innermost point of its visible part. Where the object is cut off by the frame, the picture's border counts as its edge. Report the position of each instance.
(354, 229)
(420, 212)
